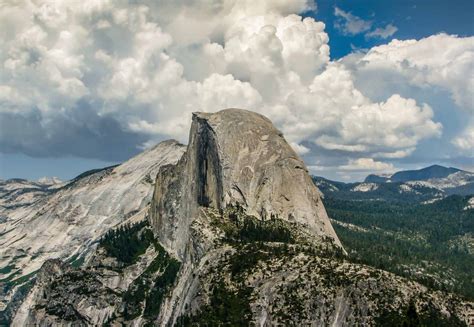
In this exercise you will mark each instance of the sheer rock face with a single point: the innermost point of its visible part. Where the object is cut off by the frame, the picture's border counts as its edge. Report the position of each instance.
(235, 156)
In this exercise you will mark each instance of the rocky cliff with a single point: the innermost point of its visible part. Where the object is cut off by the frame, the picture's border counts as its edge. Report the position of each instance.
(236, 235)
(44, 222)
(250, 273)
(235, 157)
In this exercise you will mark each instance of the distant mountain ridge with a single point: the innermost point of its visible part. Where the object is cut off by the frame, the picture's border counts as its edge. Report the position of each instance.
(434, 171)
(424, 185)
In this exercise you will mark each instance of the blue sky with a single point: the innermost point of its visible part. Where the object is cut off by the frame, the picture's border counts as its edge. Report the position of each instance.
(414, 20)
(85, 86)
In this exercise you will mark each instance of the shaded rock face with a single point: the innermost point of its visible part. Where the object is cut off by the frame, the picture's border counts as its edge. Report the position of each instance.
(235, 157)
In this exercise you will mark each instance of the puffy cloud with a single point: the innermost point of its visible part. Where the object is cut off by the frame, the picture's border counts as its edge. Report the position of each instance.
(367, 164)
(394, 124)
(383, 32)
(442, 60)
(336, 116)
(437, 63)
(350, 24)
(222, 91)
(465, 141)
(99, 72)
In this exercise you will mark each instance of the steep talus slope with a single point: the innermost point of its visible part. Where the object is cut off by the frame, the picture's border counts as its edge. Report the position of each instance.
(65, 223)
(109, 288)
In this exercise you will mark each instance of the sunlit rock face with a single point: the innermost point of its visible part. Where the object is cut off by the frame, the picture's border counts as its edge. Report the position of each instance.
(235, 157)
(40, 222)
(238, 236)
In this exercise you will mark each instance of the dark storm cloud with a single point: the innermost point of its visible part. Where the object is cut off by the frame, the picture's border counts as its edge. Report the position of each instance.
(81, 132)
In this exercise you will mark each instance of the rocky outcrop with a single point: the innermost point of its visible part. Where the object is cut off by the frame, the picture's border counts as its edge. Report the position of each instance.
(271, 273)
(104, 291)
(235, 157)
(66, 223)
(238, 236)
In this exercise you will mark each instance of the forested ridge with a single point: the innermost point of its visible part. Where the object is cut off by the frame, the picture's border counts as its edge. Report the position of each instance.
(430, 243)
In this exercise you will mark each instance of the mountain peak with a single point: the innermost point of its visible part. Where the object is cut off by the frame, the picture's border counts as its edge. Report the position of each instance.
(435, 166)
(235, 157)
(423, 174)
(434, 171)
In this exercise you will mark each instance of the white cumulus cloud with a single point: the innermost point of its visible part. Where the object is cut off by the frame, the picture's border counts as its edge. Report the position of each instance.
(465, 141)
(439, 62)
(336, 116)
(367, 164)
(92, 78)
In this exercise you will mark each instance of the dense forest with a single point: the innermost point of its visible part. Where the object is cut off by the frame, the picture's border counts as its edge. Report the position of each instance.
(127, 242)
(430, 243)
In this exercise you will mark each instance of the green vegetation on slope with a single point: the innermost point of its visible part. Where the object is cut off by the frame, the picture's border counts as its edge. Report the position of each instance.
(226, 308)
(127, 242)
(240, 227)
(411, 318)
(256, 242)
(147, 292)
(160, 288)
(424, 242)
